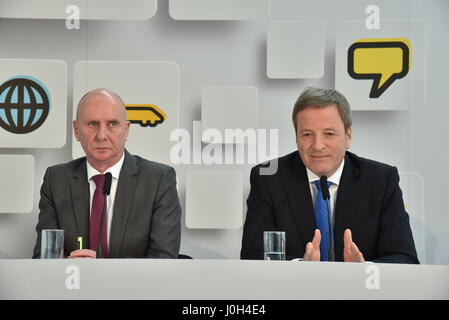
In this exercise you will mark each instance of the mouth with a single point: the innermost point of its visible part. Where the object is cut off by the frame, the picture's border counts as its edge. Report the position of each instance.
(319, 158)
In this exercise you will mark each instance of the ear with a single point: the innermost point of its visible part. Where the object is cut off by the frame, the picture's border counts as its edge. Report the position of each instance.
(127, 126)
(348, 137)
(76, 130)
(297, 139)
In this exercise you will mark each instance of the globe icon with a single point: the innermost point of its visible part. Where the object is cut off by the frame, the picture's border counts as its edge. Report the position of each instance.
(24, 104)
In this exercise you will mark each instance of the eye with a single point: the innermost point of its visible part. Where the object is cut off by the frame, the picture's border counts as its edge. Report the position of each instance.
(306, 135)
(92, 124)
(113, 124)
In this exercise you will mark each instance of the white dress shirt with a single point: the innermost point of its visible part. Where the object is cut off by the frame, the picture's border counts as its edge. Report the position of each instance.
(115, 172)
(335, 179)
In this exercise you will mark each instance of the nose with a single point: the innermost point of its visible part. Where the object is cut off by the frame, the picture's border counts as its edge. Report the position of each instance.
(318, 143)
(102, 133)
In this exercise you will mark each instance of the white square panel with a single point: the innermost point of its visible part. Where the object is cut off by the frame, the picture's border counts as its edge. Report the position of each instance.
(33, 103)
(381, 69)
(17, 187)
(219, 9)
(84, 9)
(295, 50)
(229, 108)
(412, 186)
(151, 86)
(214, 199)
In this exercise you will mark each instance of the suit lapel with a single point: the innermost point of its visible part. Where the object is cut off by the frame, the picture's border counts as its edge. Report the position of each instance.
(296, 184)
(123, 203)
(350, 199)
(79, 187)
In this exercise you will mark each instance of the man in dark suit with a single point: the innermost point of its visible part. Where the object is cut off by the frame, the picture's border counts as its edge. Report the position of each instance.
(143, 211)
(368, 216)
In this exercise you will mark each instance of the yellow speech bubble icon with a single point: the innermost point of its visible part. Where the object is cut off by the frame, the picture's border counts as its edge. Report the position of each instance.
(382, 60)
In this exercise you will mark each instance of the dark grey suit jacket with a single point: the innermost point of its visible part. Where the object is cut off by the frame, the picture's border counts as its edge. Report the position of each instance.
(369, 202)
(146, 217)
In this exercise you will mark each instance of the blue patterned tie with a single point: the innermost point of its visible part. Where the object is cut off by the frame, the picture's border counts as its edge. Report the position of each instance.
(321, 217)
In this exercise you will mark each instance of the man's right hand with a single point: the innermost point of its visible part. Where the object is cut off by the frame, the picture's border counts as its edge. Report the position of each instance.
(84, 253)
(313, 248)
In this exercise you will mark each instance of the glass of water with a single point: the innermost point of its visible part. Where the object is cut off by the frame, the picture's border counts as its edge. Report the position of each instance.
(274, 245)
(52, 244)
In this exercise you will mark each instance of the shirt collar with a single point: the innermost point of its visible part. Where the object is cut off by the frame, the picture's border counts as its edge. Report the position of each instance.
(114, 170)
(335, 178)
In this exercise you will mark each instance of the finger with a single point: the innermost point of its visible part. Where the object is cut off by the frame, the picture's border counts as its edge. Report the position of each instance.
(312, 253)
(83, 253)
(74, 254)
(82, 256)
(347, 239)
(356, 253)
(354, 248)
(309, 252)
(316, 238)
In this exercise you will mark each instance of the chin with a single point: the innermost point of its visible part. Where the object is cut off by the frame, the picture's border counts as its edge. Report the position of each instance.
(101, 156)
(319, 171)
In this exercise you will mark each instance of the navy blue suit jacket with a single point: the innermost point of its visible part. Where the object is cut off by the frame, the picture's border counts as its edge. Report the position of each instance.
(369, 202)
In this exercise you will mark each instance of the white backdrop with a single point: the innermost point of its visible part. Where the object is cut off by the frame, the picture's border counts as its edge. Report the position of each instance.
(234, 53)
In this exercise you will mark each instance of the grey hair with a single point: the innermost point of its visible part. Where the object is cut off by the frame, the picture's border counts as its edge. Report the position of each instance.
(313, 97)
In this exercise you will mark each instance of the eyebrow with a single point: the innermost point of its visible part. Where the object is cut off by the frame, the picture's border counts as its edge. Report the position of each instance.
(107, 121)
(325, 129)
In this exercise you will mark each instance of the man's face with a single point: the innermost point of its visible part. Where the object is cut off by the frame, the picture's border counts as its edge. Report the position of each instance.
(322, 139)
(102, 130)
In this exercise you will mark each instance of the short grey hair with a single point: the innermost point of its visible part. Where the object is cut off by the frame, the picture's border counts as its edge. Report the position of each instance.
(313, 97)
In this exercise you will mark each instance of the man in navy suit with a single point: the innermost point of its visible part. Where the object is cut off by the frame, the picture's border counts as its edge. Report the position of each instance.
(368, 216)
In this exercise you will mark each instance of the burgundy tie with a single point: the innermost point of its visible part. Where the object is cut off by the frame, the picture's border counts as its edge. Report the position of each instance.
(95, 217)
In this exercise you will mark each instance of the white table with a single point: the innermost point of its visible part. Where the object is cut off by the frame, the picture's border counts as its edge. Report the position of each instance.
(218, 280)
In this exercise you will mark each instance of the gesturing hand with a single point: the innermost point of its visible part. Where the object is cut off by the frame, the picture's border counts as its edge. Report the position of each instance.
(313, 248)
(351, 252)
